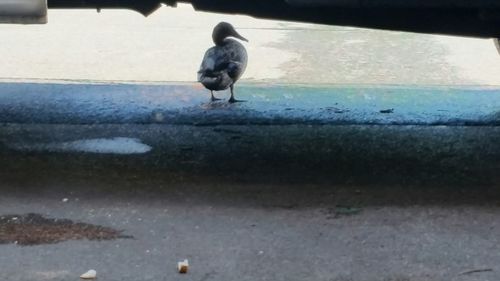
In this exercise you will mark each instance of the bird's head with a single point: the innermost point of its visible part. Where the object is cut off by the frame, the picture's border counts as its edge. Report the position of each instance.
(224, 30)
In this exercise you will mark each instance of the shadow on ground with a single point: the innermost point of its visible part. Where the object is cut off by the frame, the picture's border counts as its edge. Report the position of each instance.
(274, 166)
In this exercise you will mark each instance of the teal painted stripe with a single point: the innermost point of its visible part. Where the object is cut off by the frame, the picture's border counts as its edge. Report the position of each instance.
(266, 104)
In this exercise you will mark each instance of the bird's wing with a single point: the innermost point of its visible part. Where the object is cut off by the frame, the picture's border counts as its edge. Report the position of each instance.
(234, 69)
(218, 60)
(209, 62)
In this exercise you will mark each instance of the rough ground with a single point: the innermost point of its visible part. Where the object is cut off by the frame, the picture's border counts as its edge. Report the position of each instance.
(263, 229)
(250, 192)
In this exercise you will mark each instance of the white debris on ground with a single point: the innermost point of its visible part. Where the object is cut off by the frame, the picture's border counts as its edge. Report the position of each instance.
(183, 266)
(91, 274)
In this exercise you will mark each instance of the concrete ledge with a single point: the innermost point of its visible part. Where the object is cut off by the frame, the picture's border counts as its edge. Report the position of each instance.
(266, 105)
(283, 133)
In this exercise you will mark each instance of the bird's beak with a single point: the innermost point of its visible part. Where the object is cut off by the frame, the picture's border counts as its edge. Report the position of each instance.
(237, 35)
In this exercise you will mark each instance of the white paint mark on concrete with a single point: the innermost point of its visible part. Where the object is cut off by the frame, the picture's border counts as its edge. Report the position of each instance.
(118, 145)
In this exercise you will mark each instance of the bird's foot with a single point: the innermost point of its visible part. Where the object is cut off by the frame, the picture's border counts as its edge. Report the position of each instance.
(233, 100)
(214, 99)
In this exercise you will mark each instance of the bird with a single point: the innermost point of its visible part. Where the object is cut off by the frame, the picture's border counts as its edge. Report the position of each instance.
(224, 63)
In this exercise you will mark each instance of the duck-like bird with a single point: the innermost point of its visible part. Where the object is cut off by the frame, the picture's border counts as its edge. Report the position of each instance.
(224, 63)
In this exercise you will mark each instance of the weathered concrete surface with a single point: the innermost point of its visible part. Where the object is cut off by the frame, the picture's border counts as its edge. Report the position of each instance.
(188, 104)
(298, 183)
(249, 232)
(169, 45)
(271, 189)
(322, 134)
(260, 202)
(279, 153)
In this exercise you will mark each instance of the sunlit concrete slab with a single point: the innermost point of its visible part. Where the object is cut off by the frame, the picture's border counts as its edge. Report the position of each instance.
(169, 45)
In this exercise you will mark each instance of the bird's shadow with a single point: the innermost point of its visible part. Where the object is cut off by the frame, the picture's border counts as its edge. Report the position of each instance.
(220, 104)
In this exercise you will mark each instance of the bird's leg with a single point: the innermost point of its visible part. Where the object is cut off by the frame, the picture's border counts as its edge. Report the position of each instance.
(213, 98)
(232, 99)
